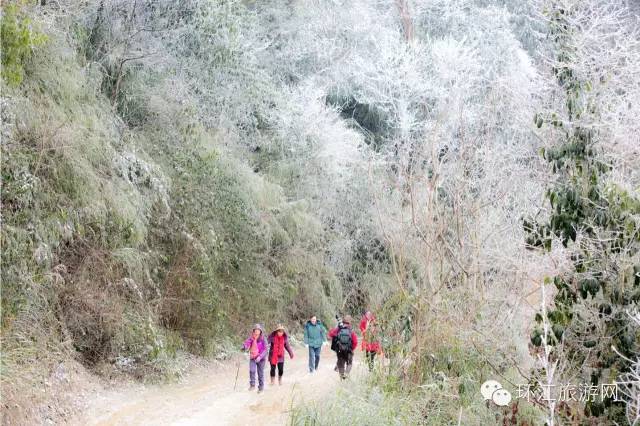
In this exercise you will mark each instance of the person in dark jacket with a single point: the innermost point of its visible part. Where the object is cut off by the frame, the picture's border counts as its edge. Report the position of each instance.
(278, 343)
(344, 342)
(315, 334)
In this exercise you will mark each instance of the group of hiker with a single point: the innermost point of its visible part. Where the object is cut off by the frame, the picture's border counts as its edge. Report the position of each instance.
(344, 342)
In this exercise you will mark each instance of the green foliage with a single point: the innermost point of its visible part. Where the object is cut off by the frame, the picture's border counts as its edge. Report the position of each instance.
(236, 240)
(19, 37)
(358, 403)
(75, 260)
(600, 223)
(143, 238)
(376, 401)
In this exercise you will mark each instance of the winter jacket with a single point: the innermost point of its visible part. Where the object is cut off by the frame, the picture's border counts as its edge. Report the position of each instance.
(372, 346)
(354, 339)
(371, 342)
(287, 346)
(367, 339)
(364, 323)
(262, 347)
(314, 335)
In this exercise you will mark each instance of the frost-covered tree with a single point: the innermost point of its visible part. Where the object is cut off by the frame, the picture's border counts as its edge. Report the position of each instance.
(591, 214)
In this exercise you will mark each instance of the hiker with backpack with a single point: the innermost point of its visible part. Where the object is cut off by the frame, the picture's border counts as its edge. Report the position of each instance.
(278, 343)
(344, 341)
(256, 344)
(315, 334)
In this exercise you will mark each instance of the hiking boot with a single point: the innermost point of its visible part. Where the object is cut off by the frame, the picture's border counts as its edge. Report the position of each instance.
(252, 388)
(273, 381)
(260, 390)
(279, 380)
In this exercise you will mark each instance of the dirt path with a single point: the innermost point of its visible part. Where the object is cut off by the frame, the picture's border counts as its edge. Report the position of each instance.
(207, 397)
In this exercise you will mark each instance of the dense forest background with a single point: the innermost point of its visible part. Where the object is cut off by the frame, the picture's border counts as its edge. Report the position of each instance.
(174, 171)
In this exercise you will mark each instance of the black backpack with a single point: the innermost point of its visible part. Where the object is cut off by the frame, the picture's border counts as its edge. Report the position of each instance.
(342, 342)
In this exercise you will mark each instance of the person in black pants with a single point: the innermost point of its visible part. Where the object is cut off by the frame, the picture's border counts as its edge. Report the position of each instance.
(278, 344)
(272, 373)
(344, 341)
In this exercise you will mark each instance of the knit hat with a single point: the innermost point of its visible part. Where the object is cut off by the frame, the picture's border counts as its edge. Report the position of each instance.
(280, 327)
(347, 319)
(258, 327)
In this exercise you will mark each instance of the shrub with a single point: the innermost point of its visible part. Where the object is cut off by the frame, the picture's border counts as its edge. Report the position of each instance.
(357, 403)
(19, 37)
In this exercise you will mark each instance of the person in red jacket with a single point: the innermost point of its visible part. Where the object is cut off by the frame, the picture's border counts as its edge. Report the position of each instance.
(344, 342)
(367, 319)
(371, 345)
(278, 343)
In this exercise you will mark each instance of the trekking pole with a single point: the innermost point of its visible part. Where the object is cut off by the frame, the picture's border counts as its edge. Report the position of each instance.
(235, 384)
